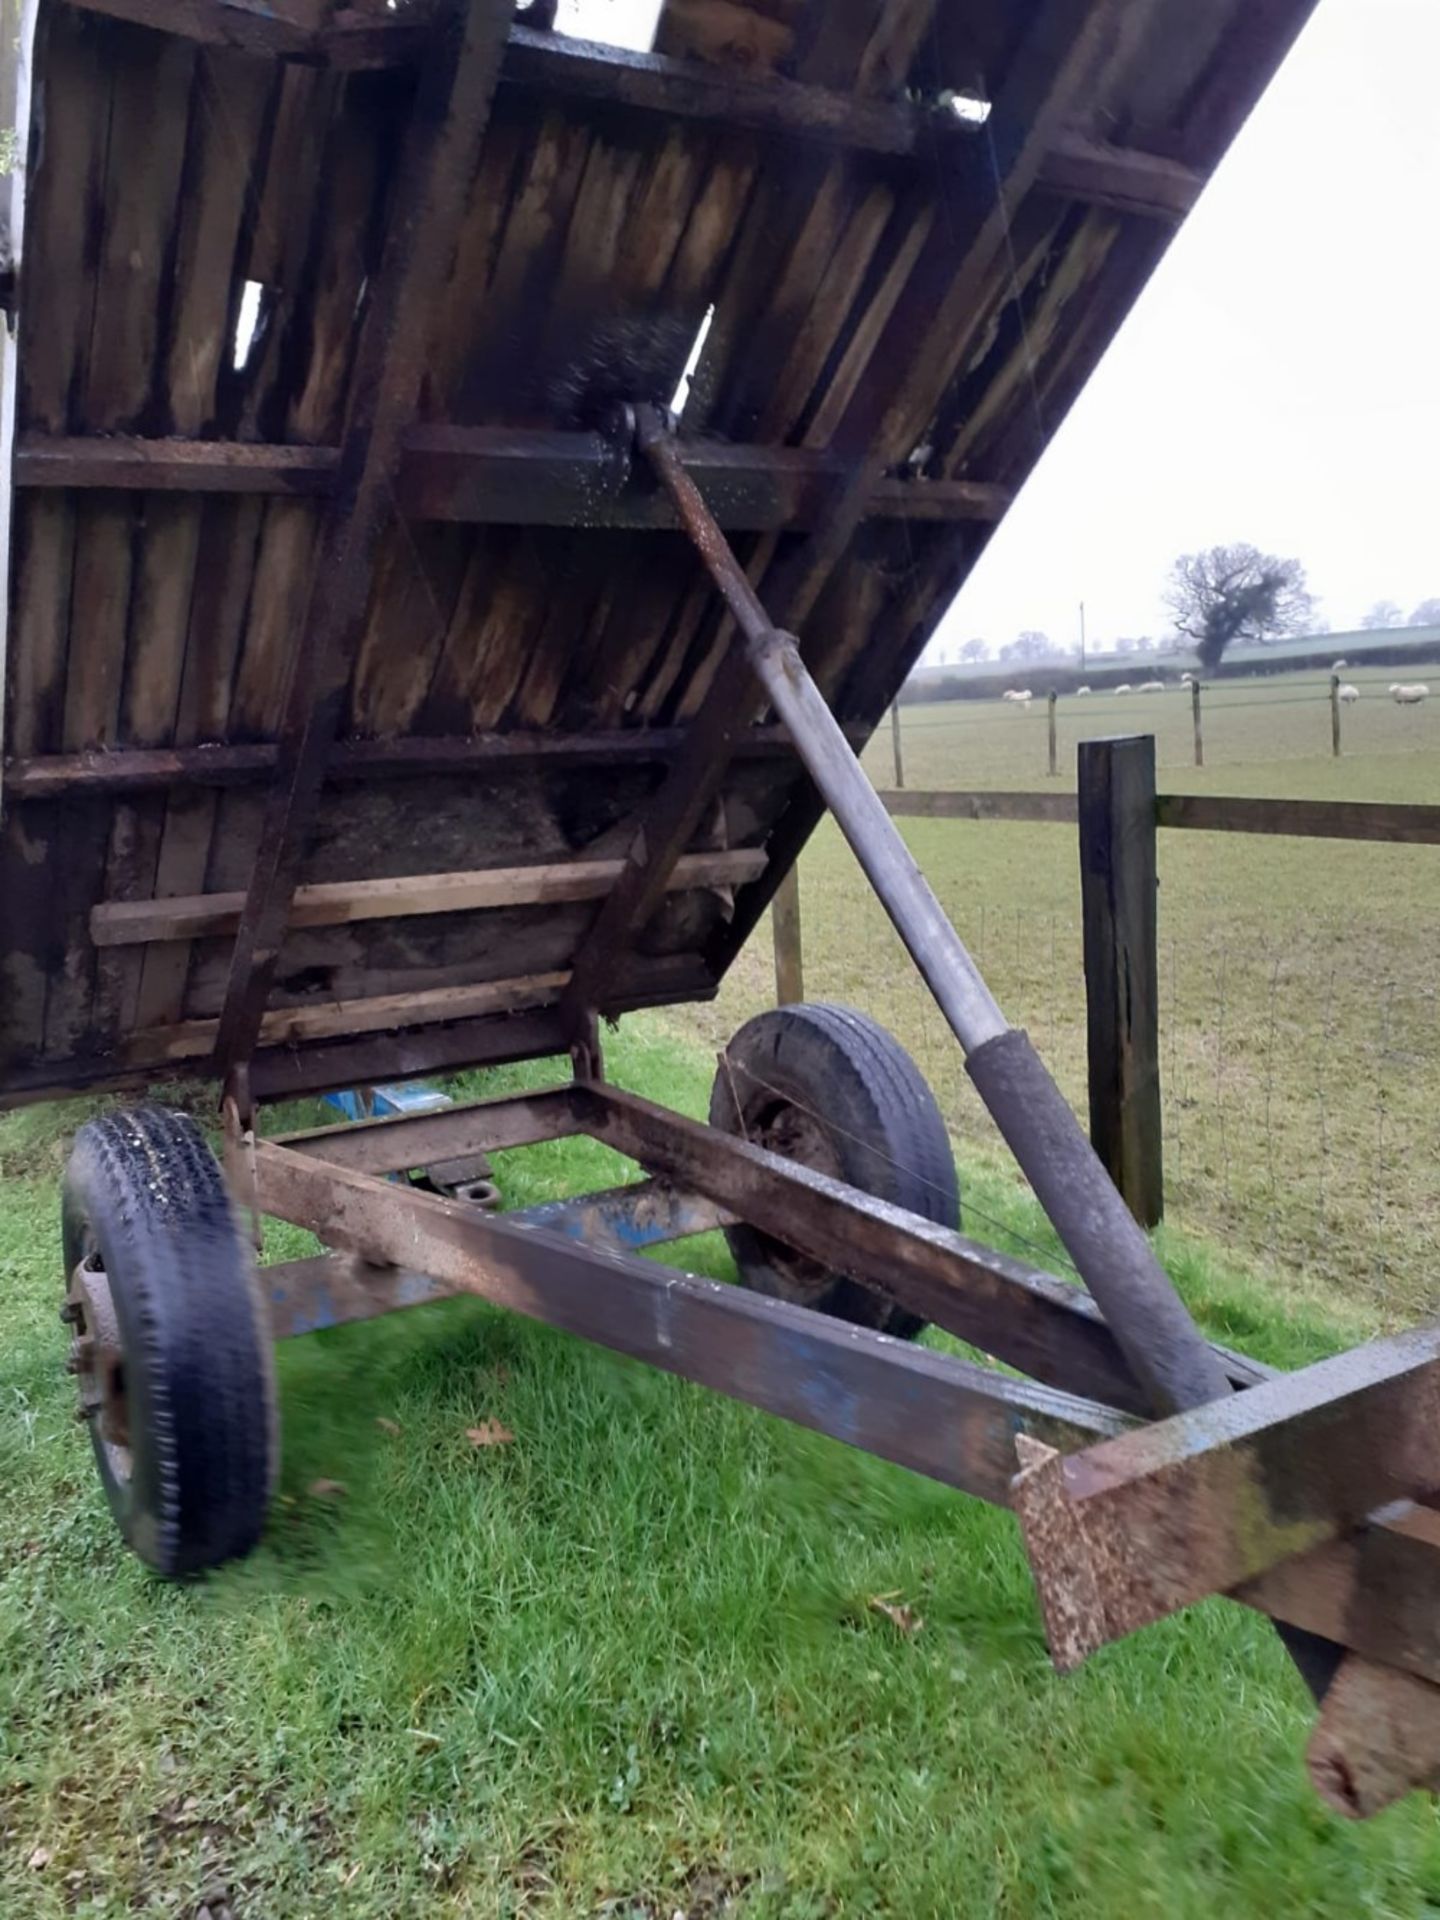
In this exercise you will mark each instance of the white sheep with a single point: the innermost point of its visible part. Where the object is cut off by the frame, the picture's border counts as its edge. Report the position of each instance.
(1151, 686)
(1009, 694)
(1081, 692)
(1337, 665)
(1125, 688)
(1023, 697)
(1347, 693)
(1410, 693)
(1187, 679)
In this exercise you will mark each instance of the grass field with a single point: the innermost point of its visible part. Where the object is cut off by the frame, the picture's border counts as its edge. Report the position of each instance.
(1300, 1026)
(625, 1665)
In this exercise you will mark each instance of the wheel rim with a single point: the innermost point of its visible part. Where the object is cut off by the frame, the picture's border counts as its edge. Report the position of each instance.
(796, 1135)
(97, 1360)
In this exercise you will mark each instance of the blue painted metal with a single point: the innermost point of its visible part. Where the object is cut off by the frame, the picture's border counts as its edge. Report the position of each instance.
(625, 1219)
(410, 1096)
(308, 1295)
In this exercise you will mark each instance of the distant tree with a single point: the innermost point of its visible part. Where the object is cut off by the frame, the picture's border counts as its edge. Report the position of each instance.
(1032, 646)
(975, 650)
(1318, 624)
(1383, 615)
(1144, 644)
(1236, 593)
(1427, 614)
(1125, 644)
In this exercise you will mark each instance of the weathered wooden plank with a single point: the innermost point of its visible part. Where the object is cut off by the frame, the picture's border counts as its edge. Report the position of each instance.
(1309, 819)
(1059, 809)
(507, 476)
(291, 1026)
(448, 121)
(135, 922)
(138, 770)
(1101, 174)
(789, 943)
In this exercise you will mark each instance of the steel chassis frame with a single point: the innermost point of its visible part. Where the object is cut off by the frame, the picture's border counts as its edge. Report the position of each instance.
(1291, 1496)
(1302, 1496)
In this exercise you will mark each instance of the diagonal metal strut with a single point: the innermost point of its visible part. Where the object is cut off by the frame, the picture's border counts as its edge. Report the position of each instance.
(1150, 1322)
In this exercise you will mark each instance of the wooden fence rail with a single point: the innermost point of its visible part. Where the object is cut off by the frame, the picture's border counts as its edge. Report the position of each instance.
(1119, 814)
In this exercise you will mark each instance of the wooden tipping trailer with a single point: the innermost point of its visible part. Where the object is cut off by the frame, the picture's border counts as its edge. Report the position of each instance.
(393, 682)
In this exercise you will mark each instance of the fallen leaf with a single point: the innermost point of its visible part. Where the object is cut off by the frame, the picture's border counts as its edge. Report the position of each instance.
(489, 1433)
(904, 1619)
(39, 1858)
(328, 1489)
(392, 1427)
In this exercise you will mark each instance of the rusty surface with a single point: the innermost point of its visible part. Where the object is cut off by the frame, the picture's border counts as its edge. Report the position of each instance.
(1215, 1497)
(940, 1416)
(395, 1143)
(1047, 1328)
(1377, 1738)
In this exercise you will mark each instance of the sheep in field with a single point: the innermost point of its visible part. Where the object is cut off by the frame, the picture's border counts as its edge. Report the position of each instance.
(1347, 693)
(1187, 679)
(1023, 697)
(1081, 692)
(1010, 694)
(1409, 693)
(1336, 666)
(1125, 688)
(1151, 686)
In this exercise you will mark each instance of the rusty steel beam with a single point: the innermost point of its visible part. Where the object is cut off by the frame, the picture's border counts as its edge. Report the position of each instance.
(334, 1289)
(396, 1142)
(1046, 1327)
(1137, 1528)
(447, 122)
(940, 1416)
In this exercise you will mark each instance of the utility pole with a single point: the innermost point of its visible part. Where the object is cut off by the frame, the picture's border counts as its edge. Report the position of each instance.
(1082, 636)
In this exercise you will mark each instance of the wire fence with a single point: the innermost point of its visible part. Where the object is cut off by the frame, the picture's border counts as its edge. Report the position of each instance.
(969, 743)
(1300, 1061)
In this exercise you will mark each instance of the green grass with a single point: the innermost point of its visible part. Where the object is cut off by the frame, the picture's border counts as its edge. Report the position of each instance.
(625, 1665)
(1300, 1024)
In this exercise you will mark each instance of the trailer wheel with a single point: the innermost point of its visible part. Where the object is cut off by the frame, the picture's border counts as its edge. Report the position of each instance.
(171, 1344)
(831, 1089)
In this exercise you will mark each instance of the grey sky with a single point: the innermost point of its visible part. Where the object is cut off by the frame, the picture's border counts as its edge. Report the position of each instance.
(1279, 380)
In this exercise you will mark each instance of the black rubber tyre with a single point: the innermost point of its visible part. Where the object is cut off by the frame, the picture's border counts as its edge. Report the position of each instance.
(830, 1088)
(187, 1440)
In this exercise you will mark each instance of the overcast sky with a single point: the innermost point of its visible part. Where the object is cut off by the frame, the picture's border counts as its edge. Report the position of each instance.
(1278, 380)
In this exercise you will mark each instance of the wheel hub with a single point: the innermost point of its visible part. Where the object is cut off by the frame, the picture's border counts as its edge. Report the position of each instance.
(97, 1360)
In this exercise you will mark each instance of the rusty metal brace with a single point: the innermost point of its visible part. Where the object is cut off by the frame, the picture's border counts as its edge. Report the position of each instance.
(1151, 1324)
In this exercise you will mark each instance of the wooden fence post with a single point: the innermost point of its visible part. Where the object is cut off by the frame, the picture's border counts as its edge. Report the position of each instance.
(1195, 711)
(1335, 714)
(1118, 886)
(895, 743)
(1054, 761)
(785, 919)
